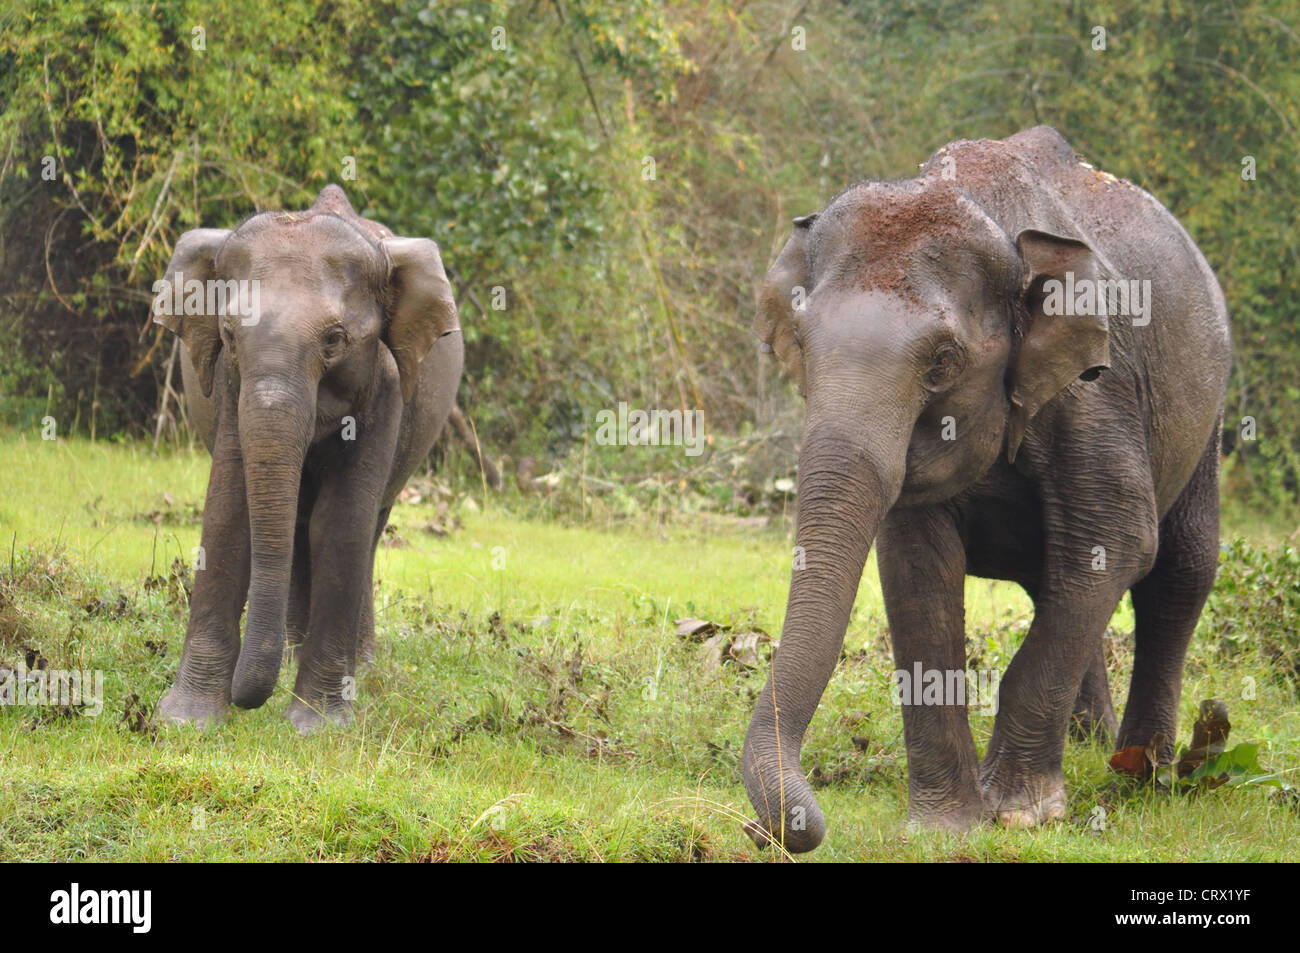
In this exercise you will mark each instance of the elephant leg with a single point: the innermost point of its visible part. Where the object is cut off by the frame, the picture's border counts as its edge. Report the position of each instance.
(1167, 604)
(326, 684)
(366, 624)
(366, 627)
(299, 588)
(342, 540)
(922, 574)
(201, 692)
(1095, 551)
(1094, 713)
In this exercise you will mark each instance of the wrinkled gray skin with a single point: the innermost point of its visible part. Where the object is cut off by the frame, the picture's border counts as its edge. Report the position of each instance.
(923, 302)
(354, 323)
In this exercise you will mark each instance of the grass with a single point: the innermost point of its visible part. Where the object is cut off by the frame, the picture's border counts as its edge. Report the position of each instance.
(530, 698)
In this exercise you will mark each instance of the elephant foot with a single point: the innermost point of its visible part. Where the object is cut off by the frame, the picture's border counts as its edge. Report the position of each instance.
(183, 708)
(944, 799)
(306, 717)
(1030, 802)
(954, 820)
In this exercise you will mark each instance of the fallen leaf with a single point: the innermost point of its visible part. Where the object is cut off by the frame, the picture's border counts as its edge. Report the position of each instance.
(697, 630)
(742, 649)
(1139, 761)
(714, 649)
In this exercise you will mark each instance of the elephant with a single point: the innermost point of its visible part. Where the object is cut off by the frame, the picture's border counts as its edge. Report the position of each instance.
(316, 409)
(982, 396)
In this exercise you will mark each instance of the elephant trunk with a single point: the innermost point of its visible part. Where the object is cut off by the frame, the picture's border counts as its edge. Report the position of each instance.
(276, 420)
(845, 487)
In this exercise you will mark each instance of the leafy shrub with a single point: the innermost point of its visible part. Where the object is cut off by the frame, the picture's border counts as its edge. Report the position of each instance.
(1255, 606)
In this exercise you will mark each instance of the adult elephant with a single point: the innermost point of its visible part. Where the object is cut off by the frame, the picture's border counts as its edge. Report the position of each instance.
(969, 404)
(316, 404)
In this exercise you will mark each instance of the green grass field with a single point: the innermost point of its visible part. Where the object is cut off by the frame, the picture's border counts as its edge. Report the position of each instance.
(530, 699)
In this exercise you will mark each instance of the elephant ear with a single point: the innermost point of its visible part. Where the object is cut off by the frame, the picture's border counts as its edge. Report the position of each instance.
(1057, 348)
(193, 259)
(784, 291)
(421, 307)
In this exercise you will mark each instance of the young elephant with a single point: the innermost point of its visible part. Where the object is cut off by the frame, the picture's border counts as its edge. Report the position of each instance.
(1014, 367)
(316, 404)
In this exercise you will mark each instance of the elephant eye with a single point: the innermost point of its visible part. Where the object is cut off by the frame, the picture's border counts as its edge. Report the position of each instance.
(944, 365)
(336, 338)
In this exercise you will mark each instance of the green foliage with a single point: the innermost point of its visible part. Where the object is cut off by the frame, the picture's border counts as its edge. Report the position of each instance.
(484, 136)
(148, 128)
(616, 176)
(1255, 606)
(1236, 767)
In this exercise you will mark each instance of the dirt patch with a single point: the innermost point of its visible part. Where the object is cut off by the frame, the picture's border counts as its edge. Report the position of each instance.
(887, 228)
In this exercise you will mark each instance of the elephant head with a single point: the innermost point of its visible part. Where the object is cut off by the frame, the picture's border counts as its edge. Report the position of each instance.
(916, 328)
(299, 309)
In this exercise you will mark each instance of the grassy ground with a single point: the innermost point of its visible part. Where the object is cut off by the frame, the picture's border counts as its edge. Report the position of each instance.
(530, 699)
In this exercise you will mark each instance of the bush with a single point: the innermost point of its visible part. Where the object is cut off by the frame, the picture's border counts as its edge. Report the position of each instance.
(609, 181)
(1255, 606)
